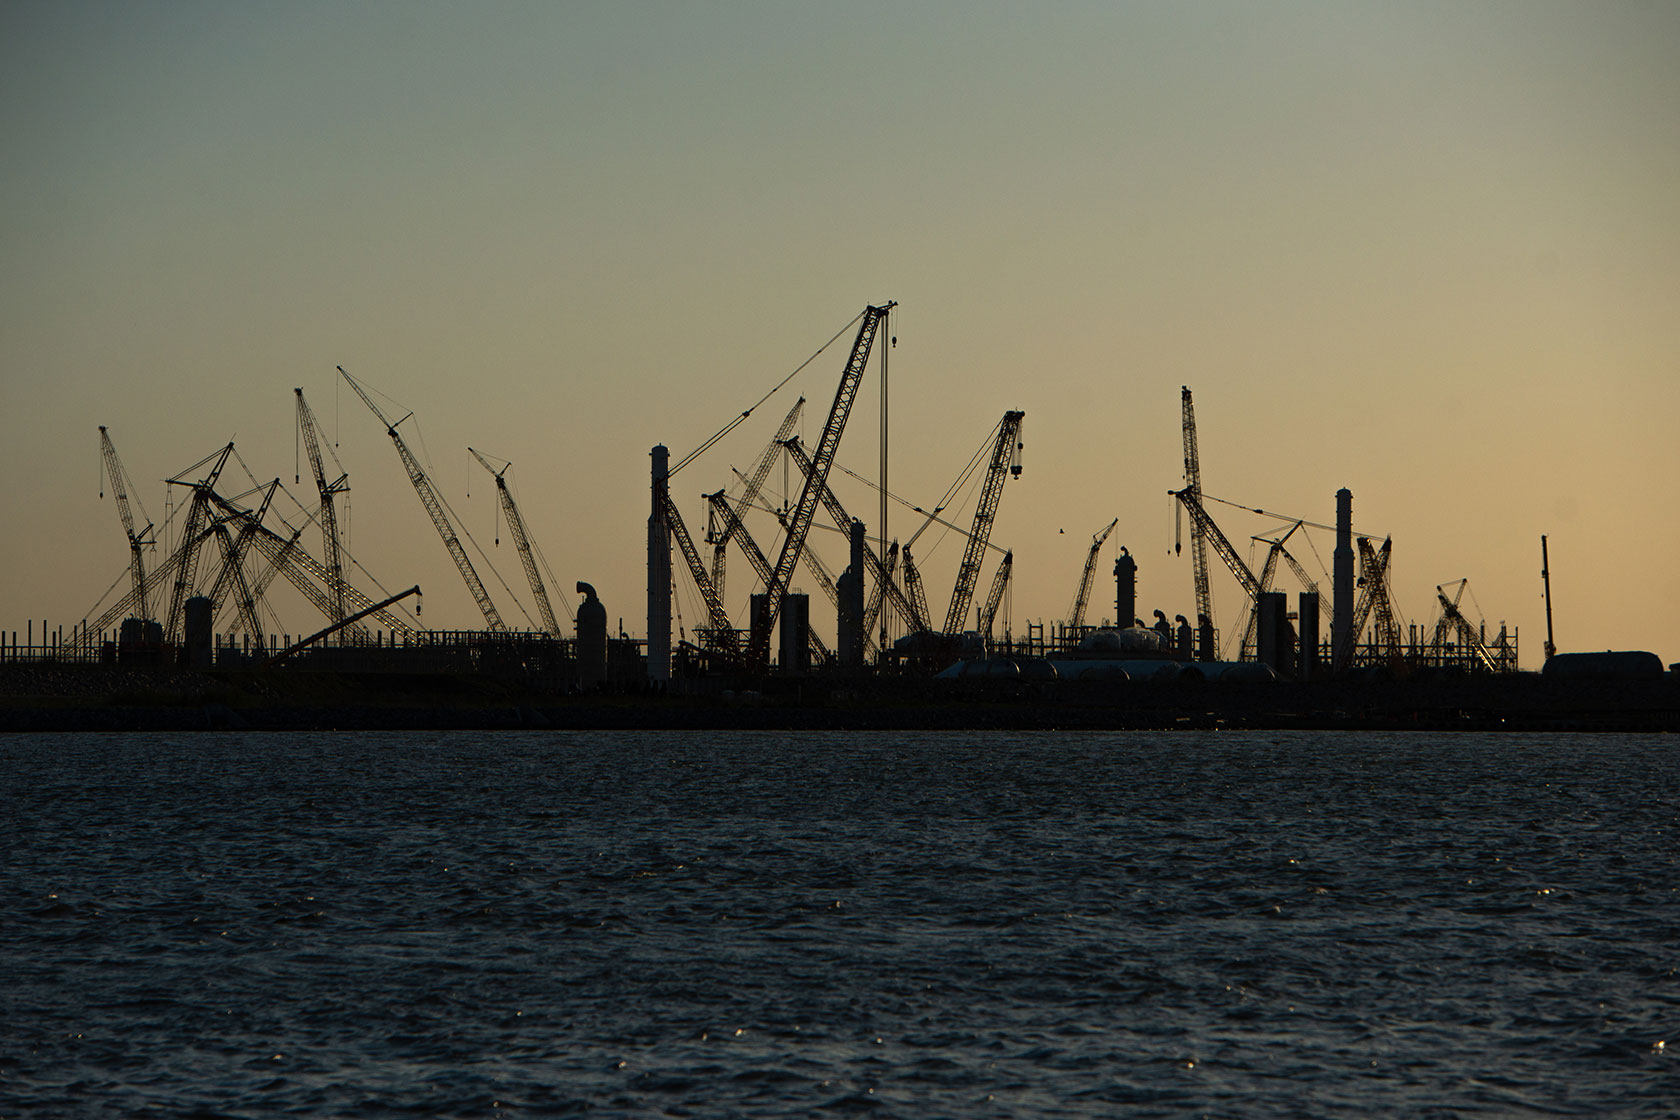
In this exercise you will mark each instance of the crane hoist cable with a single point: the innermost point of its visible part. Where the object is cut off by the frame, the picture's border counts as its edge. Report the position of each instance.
(739, 420)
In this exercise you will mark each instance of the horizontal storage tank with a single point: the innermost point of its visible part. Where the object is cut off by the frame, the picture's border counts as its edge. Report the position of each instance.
(1611, 664)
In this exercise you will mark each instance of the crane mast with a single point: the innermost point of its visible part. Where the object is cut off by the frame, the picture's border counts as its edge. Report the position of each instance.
(522, 543)
(1006, 463)
(1076, 617)
(434, 509)
(920, 619)
(799, 524)
(192, 537)
(1546, 581)
(329, 517)
(761, 565)
(1000, 580)
(755, 484)
(137, 541)
(716, 615)
(1192, 494)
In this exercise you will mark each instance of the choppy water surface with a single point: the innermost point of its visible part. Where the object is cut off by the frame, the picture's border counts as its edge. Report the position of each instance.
(900, 925)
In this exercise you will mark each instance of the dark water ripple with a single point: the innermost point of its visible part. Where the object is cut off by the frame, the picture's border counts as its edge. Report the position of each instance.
(1273, 925)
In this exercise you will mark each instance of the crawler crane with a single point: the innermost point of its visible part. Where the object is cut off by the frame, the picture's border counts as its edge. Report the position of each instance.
(434, 508)
(1076, 616)
(521, 542)
(137, 541)
(799, 524)
(1006, 463)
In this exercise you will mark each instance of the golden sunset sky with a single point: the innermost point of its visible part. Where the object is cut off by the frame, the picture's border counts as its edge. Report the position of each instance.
(1429, 252)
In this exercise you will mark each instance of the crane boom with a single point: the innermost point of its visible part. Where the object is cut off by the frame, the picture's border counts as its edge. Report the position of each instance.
(878, 596)
(761, 565)
(156, 579)
(800, 523)
(198, 516)
(1000, 580)
(1199, 520)
(300, 568)
(717, 616)
(843, 520)
(1193, 487)
(1076, 617)
(137, 541)
(918, 596)
(522, 543)
(1452, 618)
(1006, 462)
(755, 484)
(434, 509)
(328, 516)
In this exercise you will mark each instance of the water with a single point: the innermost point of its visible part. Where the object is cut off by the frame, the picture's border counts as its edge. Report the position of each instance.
(977, 924)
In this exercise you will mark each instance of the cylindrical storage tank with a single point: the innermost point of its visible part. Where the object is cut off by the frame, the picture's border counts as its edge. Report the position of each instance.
(591, 639)
(1308, 661)
(796, 631)
(1271, 607)
(198, 632)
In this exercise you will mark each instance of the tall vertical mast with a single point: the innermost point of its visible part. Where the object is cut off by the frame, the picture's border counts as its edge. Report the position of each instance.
(799, 525)
(1193, 489)
(1545, 578)
(329, 518)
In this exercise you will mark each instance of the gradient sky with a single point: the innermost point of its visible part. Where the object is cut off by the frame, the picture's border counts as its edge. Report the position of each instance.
(1429, 252)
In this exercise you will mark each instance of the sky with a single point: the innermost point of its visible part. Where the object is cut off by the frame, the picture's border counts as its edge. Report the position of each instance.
(1428, 252)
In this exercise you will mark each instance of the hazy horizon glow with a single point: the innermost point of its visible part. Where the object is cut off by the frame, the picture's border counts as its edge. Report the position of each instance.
(1427, 252)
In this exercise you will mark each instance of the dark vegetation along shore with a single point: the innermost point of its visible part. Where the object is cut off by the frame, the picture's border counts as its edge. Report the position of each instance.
(106, 698)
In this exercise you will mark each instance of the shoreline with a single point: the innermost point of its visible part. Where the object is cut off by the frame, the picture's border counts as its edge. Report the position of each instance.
(99, 699)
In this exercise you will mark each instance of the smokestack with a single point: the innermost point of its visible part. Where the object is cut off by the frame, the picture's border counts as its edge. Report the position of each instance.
(1341, 607)
(659, 571)
(1125, 589)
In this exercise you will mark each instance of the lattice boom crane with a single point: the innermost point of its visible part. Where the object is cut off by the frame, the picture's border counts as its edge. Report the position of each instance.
(137, 541)
(522, 543)
(1006, 463)
(434, 509)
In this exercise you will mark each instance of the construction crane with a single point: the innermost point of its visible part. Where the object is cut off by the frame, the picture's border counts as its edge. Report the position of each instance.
(232, 576)
(1076, 616)
(733, 526)
(799, 525)
(878, 569)
(1373, 600)
(327, 515)
(1545, 580)
(761, 565)
(717, 617)
(1191, 495)
(1453, 621)
(521, 542)
(137, 541)
(434, 509)
(1000, 581)
(1268, 572)
(193, 535)
(307, 574)
(1006, 463)
(156, 579)
(755, 484)
(878, 596)
(920, 619)
(1192, 505)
